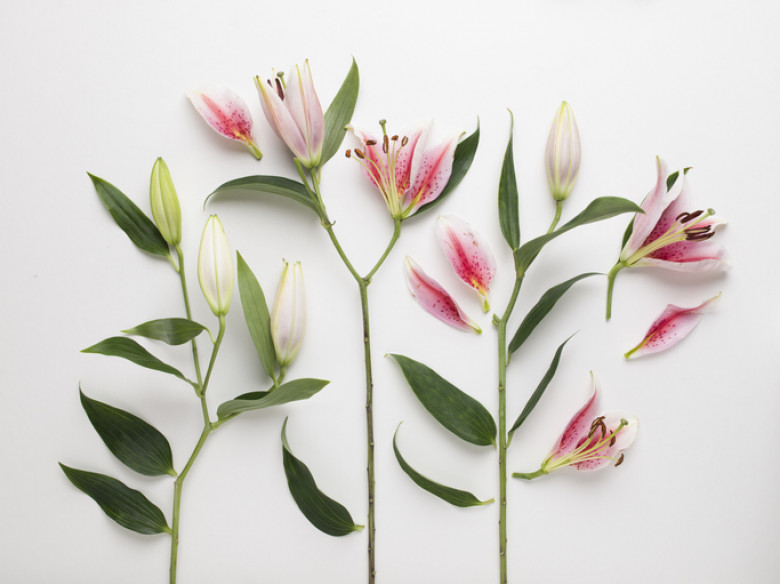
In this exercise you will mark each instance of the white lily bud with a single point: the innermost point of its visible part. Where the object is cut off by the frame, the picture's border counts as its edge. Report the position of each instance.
(215, 267)
(165, 203)
(563, 153)
(288, 320)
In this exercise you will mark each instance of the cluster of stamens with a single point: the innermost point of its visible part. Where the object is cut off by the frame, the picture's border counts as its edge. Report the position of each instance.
(591, 447)
(695, 233)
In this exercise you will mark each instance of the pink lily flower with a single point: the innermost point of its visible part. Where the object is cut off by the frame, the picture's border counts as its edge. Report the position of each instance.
(671, 327)
(407, 174)
(294, 112)
(435, 300)
(226, 113)
(468, 253)
(670, 233)
(589, 442)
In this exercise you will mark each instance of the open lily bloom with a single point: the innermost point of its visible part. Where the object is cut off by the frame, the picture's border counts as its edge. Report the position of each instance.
(407, 173)
(295, 113)
(434, 299)
(226, 113)
(671, 327)
(468, 253)
(670, 233)
(589, 442)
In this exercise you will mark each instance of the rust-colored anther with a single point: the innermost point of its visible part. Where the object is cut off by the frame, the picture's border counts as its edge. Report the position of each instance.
(348, 153)
(404, 140)
(620, 460)
(370, 142)
(385, 145)
(359, 153)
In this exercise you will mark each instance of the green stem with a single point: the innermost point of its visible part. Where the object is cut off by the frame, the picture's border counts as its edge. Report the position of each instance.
(611, 285)
(388, 249)
(183, 280)
(502, 435)
(529, 475)
(558, 209)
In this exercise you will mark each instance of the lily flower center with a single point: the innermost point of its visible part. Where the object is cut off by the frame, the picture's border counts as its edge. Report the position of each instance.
(686, 226)
(591, 448)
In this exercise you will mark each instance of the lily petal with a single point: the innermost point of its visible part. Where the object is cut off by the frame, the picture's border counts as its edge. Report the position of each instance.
(434, 299)
(610, 451)
(468, 253)
(579, 426)
(306, 110)
(280, 118)
(226, 113)
(671, 327)
(432, 174)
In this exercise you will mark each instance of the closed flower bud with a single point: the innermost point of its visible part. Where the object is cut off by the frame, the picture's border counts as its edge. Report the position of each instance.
(215, 267)
(165, 203)
(563, 153)
(288, 321)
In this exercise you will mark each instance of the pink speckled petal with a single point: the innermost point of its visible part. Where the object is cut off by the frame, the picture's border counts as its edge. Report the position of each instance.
(670, 328)
(280, 119)
(688, 256)
(609, 454)
(432, 175)
(375, 163)
(224, 111)
(468, 253)
(578, 427)
(434, 299)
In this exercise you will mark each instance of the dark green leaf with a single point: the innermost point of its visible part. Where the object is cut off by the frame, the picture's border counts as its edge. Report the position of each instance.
(598, 209)
(461, 162)
(323, 512)
(453, 496)
(134, 442)
(296, 390)
(508, 217)
(132, 351)
(542, 308)
(540, 389)
(670, 180)
(339, 113)
(275, 185)
(256, 315)
(128, 507)
(174, 331)
(627, 233)
(138, 227)
(457, 411)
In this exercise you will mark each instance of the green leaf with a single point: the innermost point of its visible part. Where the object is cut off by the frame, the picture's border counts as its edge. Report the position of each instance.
(256, 315)
(461, 162)
(540, 389)
(542, 308)
(339, 113)
(275, 185)
(134, 442)
(128, 507)
(174, 331)
(323, 512)
(453, 496)
(138, 227)
(296, 390)
(508, 217)
(598, 209)
(132, 351)
(457, 411)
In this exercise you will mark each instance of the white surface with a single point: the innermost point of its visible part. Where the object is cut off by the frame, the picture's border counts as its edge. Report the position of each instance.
(99, 87)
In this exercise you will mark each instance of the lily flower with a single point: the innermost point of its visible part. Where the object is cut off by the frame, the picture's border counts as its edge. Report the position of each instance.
(225, 111)
(434, 299)
(589, 442)
(294, 112)
(288, 319)
(407, 174)
(670, 233)
(468, 253)
(671, 327)
(563, 153)
(215, 267)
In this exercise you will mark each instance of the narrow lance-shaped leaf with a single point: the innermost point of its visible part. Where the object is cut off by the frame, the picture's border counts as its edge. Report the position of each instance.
(451, 495)
(138, 227)
(133, 441)
(128, 507)
(457, 411)
(323, 512)
(174, 331)
(461, 162)
(598, 209)
(508, 212)
(132, 351)
(540, 389)
(339, 113)
(296, 390)
(275, 185)
(542, 308)
(256, 315)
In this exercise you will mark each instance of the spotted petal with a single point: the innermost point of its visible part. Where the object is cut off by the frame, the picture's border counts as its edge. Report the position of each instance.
(468, 253)
(579, 426)
(434, 299)
(226, 113)
(432, 174)
(671, 327)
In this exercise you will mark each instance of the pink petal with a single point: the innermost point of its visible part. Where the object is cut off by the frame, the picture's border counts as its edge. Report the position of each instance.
(670, 328)
(281, 119)
(304, 107)
(578, 427)
(609, 453)
(224, 111)
(688, 256)
(434, 299)
(468, 253)
(432, 175)
(376, 160)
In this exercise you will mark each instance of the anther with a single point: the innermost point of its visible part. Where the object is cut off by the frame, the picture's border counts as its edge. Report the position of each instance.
(612, 442)
(692, 216)
(404, 140)
(620, 460)
(700, 236)
(359, 153)
(370, 142)
(348, 153)
(279, 88)
(395, 138)
(385, 144)
(698, 230)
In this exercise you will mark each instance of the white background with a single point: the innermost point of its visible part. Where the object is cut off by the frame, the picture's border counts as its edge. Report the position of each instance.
(100, 87)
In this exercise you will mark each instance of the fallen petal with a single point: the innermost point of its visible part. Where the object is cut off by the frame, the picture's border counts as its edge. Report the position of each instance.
(225, 111)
